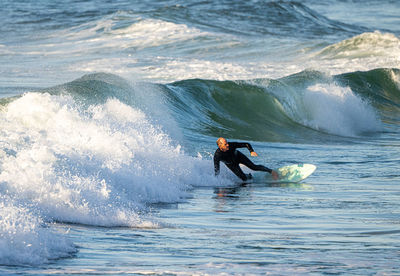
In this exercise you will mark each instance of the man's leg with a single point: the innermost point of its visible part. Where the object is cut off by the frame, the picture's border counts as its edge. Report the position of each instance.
(246, 161)
(238, 172)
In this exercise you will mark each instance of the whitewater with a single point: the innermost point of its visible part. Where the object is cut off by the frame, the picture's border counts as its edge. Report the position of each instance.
(109, 113)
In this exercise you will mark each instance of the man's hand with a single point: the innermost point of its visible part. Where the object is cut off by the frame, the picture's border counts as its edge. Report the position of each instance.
(275, 175)
(253, 153)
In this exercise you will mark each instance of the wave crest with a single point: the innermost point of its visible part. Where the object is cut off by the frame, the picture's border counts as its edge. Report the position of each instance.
(374, 44)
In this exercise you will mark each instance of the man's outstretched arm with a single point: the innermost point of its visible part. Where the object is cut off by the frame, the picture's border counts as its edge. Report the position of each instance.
(244, 145)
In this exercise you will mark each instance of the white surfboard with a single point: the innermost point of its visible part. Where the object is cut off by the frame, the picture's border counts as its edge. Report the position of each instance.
(292, 173)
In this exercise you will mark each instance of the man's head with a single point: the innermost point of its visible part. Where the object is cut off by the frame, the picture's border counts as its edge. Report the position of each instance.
(222, 144)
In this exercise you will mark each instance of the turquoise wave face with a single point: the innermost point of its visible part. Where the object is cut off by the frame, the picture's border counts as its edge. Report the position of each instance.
(308, 106)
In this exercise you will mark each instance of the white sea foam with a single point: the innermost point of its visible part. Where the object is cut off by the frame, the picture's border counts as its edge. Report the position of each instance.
(139, 34)
(98, 165)
(153, 32)
(79, 162)
(148, 44)
(337, 110)
(24, 240)
(363, 52)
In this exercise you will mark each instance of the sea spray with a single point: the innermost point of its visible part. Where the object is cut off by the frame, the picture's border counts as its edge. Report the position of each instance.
(99, 165)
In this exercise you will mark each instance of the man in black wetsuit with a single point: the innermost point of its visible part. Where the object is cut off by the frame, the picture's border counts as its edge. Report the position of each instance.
(228, 154)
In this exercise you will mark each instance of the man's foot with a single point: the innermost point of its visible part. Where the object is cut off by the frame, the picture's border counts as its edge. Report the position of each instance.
(275, 175)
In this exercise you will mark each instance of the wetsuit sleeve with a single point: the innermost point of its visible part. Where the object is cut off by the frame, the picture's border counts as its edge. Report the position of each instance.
(216, 163)
(241, 145)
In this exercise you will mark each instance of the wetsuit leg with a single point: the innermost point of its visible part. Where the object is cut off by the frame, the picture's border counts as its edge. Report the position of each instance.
(242, 159)
(237, 171)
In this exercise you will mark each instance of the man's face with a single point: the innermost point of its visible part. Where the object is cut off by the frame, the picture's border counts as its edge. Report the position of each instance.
(223, 145)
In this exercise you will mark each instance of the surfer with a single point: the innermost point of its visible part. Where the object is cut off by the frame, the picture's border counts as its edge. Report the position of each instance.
(228, 153)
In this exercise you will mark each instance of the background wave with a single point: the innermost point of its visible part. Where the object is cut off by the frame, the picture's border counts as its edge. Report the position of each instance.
(277, 18)
(256, 17)
(169, 41)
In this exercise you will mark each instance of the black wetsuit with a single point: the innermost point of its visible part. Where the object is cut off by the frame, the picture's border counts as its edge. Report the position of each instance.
(232, 158)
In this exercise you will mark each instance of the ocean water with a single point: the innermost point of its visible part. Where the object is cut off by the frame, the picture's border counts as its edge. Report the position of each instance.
(109, 113)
